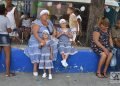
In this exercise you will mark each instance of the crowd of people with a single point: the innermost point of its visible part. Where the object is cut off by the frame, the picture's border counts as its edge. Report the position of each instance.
(45, 41)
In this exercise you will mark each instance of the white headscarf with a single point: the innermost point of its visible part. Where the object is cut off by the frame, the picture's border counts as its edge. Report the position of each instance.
(62, 21)
(45, 31)
(44, 12)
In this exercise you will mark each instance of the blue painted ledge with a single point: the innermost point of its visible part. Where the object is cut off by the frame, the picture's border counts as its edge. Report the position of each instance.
(84, 61)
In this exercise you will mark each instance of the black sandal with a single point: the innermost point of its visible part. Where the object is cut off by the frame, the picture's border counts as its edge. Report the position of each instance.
(99, 75)
(105, 75)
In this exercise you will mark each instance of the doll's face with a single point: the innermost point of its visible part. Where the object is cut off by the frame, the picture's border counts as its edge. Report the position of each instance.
(45, 35)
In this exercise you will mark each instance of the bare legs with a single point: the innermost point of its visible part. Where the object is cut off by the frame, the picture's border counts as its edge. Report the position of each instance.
(7, 50)
(35, 69)
(100, 64)
(49, 71)
(103, 60)
(64, 57)
(107, 64)
(44, 70)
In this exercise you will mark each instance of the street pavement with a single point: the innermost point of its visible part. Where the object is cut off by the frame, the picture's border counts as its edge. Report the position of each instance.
(60, 79)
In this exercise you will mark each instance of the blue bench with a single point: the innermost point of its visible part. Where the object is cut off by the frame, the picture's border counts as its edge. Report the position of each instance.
(84, 61)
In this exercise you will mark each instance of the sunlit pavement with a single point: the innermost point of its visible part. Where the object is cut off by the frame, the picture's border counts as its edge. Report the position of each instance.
(79, 79)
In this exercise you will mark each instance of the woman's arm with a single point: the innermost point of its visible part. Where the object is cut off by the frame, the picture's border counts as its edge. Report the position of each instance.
(54, 31)
(58, 34)
(79, 22)
(114, 34)
(51, 53)
(74, 18)
(96, 36)
(17, 18)
(35, 29)
(9, 30)
(69, 34)
(114, 37)
(79, 28)
(110, 40)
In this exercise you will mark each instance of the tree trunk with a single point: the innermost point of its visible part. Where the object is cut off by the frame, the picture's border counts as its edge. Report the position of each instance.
(95, 12)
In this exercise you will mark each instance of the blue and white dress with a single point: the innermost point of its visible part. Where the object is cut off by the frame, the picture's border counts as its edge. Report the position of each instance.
(33, 51)
(45, 61)
(64, 45)
(55, 47)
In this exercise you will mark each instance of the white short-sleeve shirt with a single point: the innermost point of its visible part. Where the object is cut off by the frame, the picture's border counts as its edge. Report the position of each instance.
(4, 24)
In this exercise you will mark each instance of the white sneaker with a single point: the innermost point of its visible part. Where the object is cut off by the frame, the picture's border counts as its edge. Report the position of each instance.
(35, 73)
(44, 75)
(50, 76)
(64, 63)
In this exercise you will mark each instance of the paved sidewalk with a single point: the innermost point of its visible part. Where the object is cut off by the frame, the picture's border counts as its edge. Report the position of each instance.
(81, 79)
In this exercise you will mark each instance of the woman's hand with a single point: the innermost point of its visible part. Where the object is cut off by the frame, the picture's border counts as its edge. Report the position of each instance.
(96, 36)
(106, 51)
(42, 43)
(9, 30)
(63, 33)
(117, 42)
(69, 34)
(66, 33)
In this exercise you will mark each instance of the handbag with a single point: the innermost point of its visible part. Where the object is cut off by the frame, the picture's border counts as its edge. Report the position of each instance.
(113, 60)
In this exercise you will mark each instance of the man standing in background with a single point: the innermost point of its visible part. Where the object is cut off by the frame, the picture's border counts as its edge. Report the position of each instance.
(13, 16)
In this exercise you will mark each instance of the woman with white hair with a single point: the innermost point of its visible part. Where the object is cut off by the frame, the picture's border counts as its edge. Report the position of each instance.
(33, 50)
